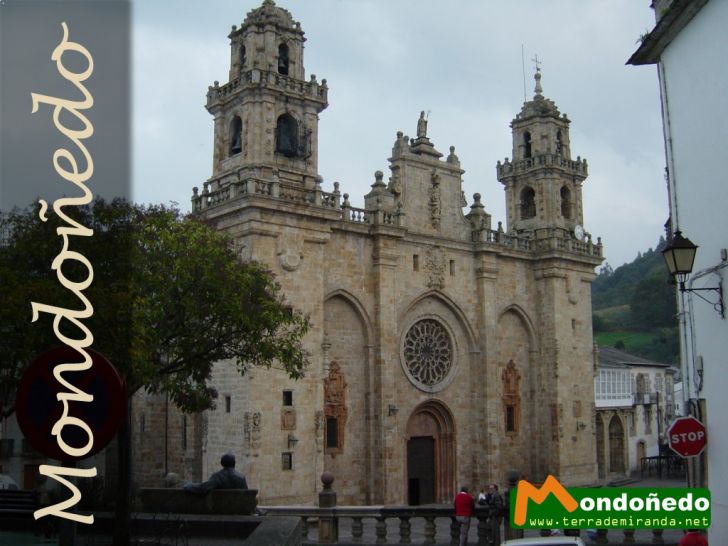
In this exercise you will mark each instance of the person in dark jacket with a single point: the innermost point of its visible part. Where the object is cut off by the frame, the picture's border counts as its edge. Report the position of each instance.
(497, 511)
(225, 478)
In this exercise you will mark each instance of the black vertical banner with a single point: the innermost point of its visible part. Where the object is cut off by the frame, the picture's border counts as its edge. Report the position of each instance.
(65, 107)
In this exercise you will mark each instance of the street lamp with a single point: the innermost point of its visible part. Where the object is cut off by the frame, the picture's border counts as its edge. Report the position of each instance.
(679, 256)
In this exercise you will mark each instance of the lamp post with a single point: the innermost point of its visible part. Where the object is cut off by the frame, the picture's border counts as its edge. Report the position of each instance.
(679, 256)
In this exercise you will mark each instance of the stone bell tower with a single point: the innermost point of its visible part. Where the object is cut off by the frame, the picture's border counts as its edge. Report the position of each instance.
(544, 211)
(542, 182)
(266, 116)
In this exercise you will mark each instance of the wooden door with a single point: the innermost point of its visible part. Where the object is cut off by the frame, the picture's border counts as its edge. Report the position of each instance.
(421, 470)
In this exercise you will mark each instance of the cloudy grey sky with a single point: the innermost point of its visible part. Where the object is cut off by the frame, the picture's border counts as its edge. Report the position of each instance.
(385, 60)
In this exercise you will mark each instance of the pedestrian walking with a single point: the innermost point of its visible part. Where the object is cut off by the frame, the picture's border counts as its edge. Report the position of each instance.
(464, 506)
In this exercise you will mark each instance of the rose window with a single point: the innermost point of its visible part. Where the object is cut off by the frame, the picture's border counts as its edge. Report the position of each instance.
(428, 352)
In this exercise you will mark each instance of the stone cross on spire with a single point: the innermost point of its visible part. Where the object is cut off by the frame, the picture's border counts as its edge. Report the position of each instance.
(537, 63)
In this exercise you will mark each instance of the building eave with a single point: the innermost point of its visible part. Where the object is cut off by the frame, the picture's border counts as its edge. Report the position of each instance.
(667, 28)
(609, 357)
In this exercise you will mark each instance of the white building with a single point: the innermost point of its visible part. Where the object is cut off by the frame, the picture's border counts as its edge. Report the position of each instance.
(688, 44)
(634, 407)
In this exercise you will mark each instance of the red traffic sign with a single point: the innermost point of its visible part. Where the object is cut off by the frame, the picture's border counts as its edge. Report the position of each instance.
(38, 408)
(687, 436)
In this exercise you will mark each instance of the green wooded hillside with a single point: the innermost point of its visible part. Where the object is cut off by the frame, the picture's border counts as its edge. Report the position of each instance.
(634, 308)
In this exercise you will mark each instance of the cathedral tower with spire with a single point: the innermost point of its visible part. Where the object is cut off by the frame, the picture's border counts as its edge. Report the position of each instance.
(443, 350)
(542, 181)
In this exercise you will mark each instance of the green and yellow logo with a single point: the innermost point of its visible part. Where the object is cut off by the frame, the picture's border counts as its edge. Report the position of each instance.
(553, 506)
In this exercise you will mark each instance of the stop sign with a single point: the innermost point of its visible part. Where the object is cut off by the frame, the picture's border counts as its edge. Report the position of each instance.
(687, 436)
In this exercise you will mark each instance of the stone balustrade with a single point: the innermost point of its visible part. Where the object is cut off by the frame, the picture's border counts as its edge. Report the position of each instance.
(267, 78)
(215, 192)
(540, 161)
(544, 240)
(366, 521)
(361, 524)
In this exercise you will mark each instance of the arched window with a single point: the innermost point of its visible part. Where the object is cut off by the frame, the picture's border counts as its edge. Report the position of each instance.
(528, 203)
(242, 56)
(526, 145)
(236, 135)
(283, 60)
(559, 143)
(287, 135)
(565, 202)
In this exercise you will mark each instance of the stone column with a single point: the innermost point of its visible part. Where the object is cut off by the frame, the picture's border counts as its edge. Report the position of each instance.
(485, 364)
(387, 456)
(328, 527)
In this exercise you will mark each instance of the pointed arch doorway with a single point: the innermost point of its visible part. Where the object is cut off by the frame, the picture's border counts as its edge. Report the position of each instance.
(430, 454)
(616, 446)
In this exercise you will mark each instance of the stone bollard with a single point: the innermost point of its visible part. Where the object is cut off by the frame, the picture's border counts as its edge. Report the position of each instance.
(509, 532)
(328, 527)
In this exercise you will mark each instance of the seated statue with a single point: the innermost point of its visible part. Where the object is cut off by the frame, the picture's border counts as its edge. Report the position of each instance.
(225, 478)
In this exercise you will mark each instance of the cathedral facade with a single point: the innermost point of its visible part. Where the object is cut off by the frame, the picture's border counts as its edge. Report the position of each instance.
(444, 350)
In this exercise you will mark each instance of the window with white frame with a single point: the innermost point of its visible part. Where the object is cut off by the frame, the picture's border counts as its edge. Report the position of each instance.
(613, 385)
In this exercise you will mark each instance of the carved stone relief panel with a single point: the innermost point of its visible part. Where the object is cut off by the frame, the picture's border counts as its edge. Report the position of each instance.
(290, 252)
(335, 410)
(252, 432)
(288, 419)
(255, 432)
(435, 202)
(319, 421)
(435, 264)
(511, 398)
